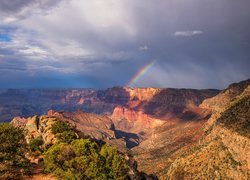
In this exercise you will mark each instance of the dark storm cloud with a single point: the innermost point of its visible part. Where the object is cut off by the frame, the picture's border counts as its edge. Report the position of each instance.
(218, 56)
(196, 44)
(13, 7)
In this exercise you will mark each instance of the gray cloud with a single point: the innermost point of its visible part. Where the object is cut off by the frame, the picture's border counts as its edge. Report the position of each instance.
(107, 42)
(14, 10)
(187, 33)
(144, 48)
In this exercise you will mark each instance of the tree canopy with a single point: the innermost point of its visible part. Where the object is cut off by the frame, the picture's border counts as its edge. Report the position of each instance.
(13, 163)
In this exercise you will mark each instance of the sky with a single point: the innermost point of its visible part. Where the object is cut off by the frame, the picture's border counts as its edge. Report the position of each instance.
(138, 43)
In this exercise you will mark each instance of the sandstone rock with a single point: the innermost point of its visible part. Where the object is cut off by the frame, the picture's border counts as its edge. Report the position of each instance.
(91, 125)
(134, 121)
(25, 103)
(31, 128)
(19, 122)
(219, 102)
(224, 150)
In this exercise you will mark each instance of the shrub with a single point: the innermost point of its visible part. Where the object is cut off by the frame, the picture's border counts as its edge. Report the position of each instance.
(36, 144)
(236, 117)
(60, 127)
(84, 159)
(63, 132)
(13, 163)
(115, 163)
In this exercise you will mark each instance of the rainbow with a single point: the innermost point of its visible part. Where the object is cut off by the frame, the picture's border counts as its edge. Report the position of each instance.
(140, 73)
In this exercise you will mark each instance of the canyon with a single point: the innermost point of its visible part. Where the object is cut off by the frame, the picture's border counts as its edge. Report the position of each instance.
(163, 129)
(161, 103)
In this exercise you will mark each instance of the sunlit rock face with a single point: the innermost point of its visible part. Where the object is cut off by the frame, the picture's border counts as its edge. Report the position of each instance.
(218, 102)
(223, 152)
(134, 121)
(154, 101)
(88, 125)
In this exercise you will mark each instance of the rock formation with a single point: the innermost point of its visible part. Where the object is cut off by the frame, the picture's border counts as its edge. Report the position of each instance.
(90, 125)
(134, 121)
(223, 152)
(27, 102)
(165, 129)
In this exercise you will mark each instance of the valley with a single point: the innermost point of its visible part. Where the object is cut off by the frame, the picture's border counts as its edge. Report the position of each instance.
(156, 126)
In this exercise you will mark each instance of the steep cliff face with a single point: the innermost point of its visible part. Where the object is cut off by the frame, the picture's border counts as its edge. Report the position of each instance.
(160, 103)
(223, 153)
(173, 102)
(219, 103)
(134, 121)
(25, 103)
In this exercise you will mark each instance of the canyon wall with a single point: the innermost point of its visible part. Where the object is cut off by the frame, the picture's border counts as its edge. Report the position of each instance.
(157, 102)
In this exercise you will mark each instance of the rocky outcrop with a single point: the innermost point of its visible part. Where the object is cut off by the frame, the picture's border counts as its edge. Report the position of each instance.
(223, 153)
(134, 121)
(219, 102)
(19, 122)
(90, 125)
(35, 127)
(98, 127)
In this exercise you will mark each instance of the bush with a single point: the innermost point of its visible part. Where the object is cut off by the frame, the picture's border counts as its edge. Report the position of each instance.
(13, 163)
(63, 132)
(36, 144)
(66, 136)
(236, 117)
(60, 127)
(84, 159)
(115, 163)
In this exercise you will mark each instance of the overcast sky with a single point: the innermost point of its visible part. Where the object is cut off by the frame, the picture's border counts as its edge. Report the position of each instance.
(104, 43)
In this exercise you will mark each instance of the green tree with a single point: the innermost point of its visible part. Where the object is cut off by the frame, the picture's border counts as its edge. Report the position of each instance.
(115, 163)
(63, 132)
(85, 159)
(13, 163)
(36, 144)
(60, 127)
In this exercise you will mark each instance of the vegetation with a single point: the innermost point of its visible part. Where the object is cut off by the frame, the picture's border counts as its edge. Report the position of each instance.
(236, 117)
(63, 131)
(13, 163)
(69, 158)
(36, 144)
(84, 159)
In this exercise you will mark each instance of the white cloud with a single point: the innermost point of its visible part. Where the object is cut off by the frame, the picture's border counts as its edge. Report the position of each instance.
(188, 33)
(9, 19)
(94, 30)
(144, 48)
(34, 52)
